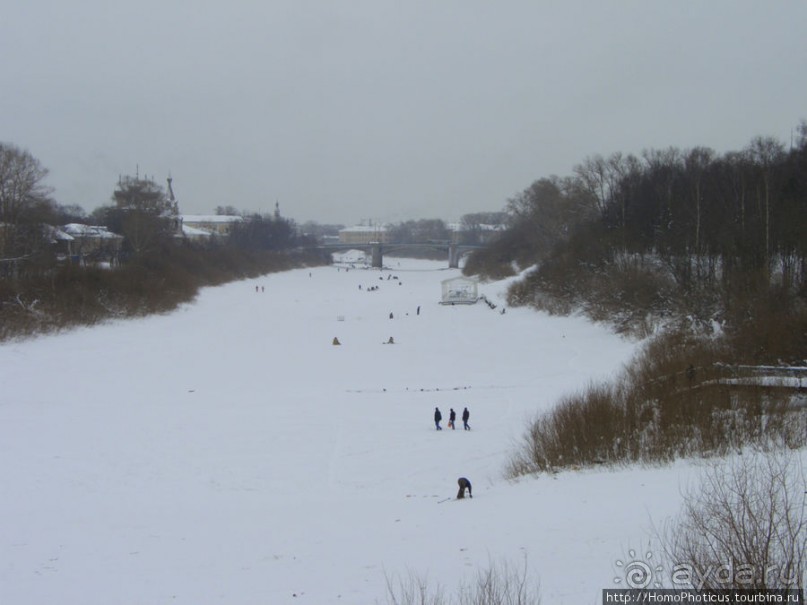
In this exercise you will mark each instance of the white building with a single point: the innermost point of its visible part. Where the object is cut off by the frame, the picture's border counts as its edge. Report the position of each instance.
(363, 234)
(195, 225)
(90, 242)
(459, 291)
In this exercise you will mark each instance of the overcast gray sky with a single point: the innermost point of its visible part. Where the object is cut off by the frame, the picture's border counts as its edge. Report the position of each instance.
(381, 109)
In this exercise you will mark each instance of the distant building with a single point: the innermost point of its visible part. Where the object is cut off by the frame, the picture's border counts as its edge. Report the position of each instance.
(195, 234)
(201, 225)
(92, 243)
(363, 234)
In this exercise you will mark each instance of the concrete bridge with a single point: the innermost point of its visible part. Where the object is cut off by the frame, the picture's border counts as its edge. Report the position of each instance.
(377, 250)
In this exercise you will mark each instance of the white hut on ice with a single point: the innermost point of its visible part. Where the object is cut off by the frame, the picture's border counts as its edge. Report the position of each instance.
(459, 291)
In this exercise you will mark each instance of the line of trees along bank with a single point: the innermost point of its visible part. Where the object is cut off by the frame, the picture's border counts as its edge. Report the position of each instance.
(705, 253)
(154, 267)
(687, 233)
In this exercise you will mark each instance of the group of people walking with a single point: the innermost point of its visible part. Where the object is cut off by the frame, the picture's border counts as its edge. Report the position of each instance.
(452, 417)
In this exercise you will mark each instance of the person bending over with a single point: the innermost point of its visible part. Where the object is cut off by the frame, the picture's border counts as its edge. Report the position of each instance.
(464, 484)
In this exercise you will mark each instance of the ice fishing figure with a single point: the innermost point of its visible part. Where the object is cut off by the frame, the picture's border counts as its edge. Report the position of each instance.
(465, 416)
(452, 416)
(690, 374)
(464, 484)
(437, 418)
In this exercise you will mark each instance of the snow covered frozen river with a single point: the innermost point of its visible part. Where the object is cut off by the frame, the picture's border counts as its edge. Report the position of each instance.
(230, 453)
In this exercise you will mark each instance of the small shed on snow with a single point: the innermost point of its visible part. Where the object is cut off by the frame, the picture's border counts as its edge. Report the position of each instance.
(459, 291)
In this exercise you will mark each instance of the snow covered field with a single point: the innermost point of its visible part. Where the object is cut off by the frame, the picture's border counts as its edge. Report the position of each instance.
(229, 453)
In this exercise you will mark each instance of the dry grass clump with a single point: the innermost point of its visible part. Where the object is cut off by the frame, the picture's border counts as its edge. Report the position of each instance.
(677, 399)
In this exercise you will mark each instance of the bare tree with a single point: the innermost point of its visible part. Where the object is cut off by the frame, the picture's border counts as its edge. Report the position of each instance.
(696, 162)
(419, 231)
(498, 584)
(22, 194)
(415, 590)
(474, 224)
(801, 130)
(227, 211)
(767, 153)
(743, 527)
(593, 175)
(548, 210)
(608, 181)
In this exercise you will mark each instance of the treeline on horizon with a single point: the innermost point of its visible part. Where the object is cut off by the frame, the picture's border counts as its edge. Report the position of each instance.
(705, 240)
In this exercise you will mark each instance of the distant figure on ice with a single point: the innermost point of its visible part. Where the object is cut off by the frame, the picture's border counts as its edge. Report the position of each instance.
(464, 484)
(690, 374)
(437, 418)
(391, 341)
(465, 416)
(418, 310)
(452, 416)
(336, 341)
(390, 315)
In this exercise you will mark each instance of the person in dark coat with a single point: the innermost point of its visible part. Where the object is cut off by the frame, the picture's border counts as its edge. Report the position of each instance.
(465, 416)
(452, 416)
(690, 374)
(437, 418)
(464, 484)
